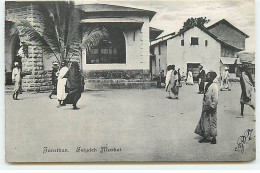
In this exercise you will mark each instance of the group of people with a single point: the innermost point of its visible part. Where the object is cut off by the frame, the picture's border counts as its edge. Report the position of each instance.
(68, 84)
(67, 81)
(70, 80)
(207, 125)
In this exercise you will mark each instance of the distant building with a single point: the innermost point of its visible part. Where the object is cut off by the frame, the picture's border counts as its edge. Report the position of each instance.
(196, 46)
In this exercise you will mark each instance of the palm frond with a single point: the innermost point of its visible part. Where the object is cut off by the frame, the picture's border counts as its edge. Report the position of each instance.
(33, 36)
(93, 35)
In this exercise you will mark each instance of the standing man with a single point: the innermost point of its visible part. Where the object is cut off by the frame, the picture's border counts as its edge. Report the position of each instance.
(61, 95)
(179, 77)
(201, 77)
(207, 126)
(55, 69)
(16, 77)
(225, 80)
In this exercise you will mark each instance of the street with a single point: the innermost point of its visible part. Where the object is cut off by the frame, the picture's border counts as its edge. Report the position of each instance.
(143, 125)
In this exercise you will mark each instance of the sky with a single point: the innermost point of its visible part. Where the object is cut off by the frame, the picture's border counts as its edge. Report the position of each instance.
(172, 14)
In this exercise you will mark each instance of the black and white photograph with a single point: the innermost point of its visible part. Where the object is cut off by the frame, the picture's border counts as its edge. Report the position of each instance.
(129, 81)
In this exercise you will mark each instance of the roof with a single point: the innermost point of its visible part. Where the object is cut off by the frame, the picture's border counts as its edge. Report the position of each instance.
(101, 8)
(204, 29)
(110, 20)
(154, 32)
(223, 21)
(227, 60)
(161, 39)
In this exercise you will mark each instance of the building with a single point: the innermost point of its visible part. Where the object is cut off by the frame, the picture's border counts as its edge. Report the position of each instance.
(210, 47)
(119, 59)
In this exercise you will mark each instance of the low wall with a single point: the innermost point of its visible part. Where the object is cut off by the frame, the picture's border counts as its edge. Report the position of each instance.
(118, 79)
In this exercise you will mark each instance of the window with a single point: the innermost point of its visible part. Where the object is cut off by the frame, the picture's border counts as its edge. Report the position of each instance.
(108, 49)
(194, 41)
(159, 49)
(206, 42)
(182, 42)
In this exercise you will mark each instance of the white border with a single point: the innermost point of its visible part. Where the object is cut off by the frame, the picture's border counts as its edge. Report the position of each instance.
(131, 166)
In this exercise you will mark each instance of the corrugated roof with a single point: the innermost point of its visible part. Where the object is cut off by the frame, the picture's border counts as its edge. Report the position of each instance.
(223, 21)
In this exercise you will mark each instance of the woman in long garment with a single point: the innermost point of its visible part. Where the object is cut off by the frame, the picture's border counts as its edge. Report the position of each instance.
(171, 82)
(207, 126)
(247, 86)
(75, 85)
(16, 77)
(189, 78)
(61, 94)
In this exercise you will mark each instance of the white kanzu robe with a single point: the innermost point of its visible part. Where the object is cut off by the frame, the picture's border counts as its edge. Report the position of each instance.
(189, 78)
(16, 76)
(61, 95)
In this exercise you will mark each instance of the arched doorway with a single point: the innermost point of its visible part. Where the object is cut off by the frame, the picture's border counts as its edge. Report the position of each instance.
(108, 46)
(12, 46)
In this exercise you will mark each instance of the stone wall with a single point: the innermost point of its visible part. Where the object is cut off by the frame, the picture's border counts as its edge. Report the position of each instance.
(35, 77)
(118, 79)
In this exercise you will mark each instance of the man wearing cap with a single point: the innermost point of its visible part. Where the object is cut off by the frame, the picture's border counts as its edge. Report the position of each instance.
(16, 77)
(55, 69)
(225, 80)
(61, 95)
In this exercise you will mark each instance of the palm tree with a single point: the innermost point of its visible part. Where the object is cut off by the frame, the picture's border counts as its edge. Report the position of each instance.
(57, 30)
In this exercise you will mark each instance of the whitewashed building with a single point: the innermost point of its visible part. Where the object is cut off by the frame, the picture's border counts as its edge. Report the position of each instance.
(202, 46)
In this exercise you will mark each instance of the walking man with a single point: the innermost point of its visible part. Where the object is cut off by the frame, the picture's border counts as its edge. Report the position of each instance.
(247, 87)
(61, 94)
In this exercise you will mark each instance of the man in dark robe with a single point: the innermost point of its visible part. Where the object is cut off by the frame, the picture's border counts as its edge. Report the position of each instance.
(75, 85)
(54, 78)
(201, 77)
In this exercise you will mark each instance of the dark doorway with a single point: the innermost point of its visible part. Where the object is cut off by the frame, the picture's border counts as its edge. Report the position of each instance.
(194, 67)
(14, 47)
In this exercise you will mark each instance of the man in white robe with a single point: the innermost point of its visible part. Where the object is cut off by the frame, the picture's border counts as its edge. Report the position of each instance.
(61, 94)
(16, 77)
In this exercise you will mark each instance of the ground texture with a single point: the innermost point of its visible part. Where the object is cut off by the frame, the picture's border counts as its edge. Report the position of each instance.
(143, 123)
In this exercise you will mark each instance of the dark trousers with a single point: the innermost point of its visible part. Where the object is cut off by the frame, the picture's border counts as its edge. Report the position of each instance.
(201, 86)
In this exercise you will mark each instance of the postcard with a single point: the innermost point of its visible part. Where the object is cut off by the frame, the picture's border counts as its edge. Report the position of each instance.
(130, 81)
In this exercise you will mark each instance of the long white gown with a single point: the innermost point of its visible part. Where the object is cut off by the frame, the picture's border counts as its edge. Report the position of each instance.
(61, 95)
(189, 78)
